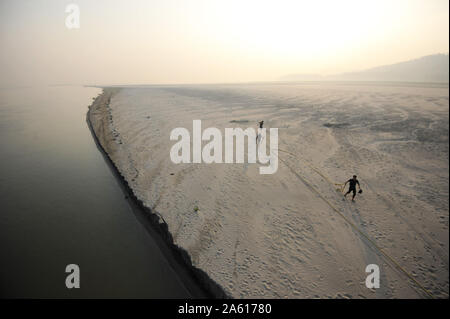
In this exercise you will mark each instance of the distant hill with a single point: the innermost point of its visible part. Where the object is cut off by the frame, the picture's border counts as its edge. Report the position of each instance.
(431, 68)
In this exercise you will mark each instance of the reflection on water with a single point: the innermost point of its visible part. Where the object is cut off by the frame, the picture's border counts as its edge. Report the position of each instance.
(60, 204)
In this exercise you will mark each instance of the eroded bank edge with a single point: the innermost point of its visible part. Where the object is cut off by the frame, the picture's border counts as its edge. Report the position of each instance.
(153, 221)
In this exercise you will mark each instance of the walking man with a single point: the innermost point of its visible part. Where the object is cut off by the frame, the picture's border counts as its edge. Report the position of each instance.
(261, 123)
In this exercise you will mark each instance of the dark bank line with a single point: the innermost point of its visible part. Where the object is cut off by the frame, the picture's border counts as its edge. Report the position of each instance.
(196, 281)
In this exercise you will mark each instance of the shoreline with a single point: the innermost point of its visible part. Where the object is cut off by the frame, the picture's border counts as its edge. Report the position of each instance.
(196, 281)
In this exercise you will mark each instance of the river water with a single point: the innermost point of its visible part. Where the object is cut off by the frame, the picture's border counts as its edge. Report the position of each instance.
(61, 204)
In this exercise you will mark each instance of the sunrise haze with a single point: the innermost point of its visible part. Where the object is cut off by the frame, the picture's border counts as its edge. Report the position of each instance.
(147, 42)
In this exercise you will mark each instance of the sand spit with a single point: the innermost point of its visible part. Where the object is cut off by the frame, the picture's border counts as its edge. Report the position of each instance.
(261, 236)
(196, 280)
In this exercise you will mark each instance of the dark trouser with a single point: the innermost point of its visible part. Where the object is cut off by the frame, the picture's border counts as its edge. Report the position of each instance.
(351, 190)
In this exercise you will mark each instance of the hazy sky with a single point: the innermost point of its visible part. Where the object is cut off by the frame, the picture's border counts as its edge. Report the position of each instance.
(175, 41)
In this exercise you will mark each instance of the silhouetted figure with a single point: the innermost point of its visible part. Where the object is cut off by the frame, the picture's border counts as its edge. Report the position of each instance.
(261, 123)
(352, 188)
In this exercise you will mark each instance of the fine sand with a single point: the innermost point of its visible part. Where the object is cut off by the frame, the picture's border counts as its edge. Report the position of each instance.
(290, 234)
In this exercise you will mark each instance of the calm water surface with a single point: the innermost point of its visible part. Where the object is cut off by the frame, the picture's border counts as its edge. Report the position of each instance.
(61, 204)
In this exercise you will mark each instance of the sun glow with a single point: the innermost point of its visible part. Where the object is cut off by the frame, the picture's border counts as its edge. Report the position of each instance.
(297, 27)
(193, 41)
